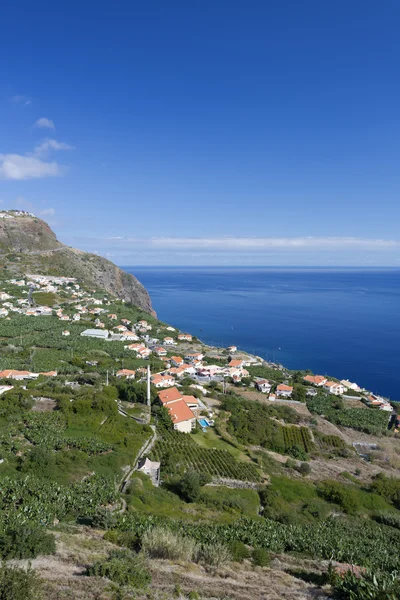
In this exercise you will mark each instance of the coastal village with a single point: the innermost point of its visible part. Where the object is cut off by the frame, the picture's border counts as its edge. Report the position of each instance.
(180, 355)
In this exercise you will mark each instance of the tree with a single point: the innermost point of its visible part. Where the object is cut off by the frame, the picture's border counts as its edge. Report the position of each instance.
(189, 486)
(19, 584)
(299, 392)
(164, 418)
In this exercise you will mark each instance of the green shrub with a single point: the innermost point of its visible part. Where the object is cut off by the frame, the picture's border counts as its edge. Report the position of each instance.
(162, 543)
(387, 487)
(193, 596)
(316, 508)
(304, 468)
(23, 541)
(297, 452)
(189, 486)
(215, 554)
(344, 496)
(124, 568)
(239, 551)
(387, 518)
(103, 519)
(128, 539)
(19, 584)
(369, 586)
(260, 557)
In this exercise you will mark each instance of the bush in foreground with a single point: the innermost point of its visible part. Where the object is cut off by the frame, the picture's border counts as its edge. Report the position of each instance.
(162, 543)
(214, 555)
(239, 551)
(387, 518)
(124, 568)
(19, 584)
(369, 586)
(260, 557)
(22, 541)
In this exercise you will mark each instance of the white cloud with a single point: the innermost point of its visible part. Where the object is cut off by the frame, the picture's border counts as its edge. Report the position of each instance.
(259, 244)
(50, 144)
(44, 123)
(17, 167)
(21, 100)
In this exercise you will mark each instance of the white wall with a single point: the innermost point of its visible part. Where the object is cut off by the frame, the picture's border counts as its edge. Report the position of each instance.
(184, 426)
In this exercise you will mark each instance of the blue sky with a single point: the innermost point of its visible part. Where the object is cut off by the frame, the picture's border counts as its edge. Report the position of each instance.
(214, 132)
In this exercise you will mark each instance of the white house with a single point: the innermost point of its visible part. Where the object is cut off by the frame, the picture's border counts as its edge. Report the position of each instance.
(177, 361)
(284, 391)
(317, 380)
(160, 381)
(334, 388)
(169, 341)
(182, 416)
(66, 332)
(263, 385)
(160, 351)
(127, 373)
(194, 356)
(185, 337)
(348, 385)
(150, 468)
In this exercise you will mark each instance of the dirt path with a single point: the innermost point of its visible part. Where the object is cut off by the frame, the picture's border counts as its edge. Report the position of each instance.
(146, 448)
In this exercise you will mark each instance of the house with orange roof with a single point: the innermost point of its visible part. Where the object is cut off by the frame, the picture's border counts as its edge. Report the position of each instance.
(236, 363)
(317, 380)
(120, 328)
(182, 416)
(334, 388)
(263, 385)
(170, 395)
(232, 349)
(193, 404)
(177, 372)
(284, 391)
(169, 341)
(160, 351)
(160, 381)
(185, 337)
(127, 373)
(177, 361)
(129, 336)
(144, 353)
(18, 375)
(112, 316)
(135, 347)
(209, 370)
(192, 357)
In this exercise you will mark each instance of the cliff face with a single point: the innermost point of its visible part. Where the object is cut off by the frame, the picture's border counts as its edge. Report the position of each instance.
(28, 245)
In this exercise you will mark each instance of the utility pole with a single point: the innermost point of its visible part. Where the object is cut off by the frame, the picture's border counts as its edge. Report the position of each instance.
(148, 386)
(107, 378)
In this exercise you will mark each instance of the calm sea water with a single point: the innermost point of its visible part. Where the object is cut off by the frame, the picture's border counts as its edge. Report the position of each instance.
(345, 323)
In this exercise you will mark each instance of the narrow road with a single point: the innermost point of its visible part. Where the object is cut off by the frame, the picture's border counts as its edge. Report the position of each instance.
(146, 448)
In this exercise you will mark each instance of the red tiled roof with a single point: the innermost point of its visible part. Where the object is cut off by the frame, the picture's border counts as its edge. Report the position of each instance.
(169, 395)
(235, 363)
(284, 388)
(179, 412)
(190, 399)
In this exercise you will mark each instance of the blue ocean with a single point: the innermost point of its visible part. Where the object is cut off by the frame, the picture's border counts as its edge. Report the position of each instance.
(344, 323)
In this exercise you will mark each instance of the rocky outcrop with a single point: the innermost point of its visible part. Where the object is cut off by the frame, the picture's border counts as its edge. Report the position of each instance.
(28, 245)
